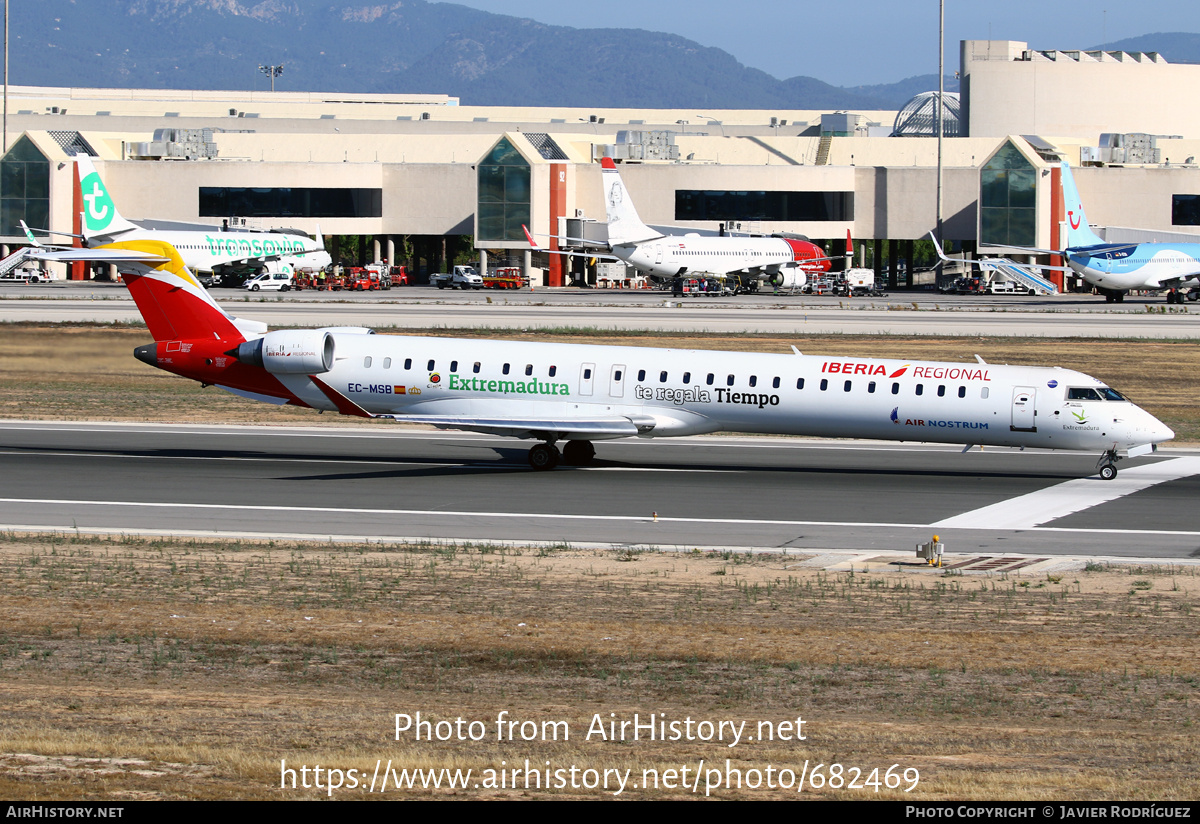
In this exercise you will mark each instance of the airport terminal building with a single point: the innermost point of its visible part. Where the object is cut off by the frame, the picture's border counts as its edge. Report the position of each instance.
(416, 172)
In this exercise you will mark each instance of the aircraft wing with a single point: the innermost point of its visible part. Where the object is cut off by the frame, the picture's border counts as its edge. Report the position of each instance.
(592, 244)
(609, 426)
(71, 254)
(1026, 249)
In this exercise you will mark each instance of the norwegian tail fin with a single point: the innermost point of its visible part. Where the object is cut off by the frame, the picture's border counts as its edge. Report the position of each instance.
(624, 225)
(172, 302)
(1078, 231)
(100, 215)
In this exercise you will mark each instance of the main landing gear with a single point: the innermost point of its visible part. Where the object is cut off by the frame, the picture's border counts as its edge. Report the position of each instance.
(574, 453)
(1107, 465)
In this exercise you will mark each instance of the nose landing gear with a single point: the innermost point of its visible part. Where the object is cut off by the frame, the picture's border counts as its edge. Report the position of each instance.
(1107, 465)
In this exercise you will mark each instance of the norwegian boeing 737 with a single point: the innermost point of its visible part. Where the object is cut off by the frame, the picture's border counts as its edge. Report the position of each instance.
(203, 249)
(572, 393)
(783, 262)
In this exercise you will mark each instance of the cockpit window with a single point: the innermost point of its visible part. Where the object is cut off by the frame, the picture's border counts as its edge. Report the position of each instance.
(1101, 394)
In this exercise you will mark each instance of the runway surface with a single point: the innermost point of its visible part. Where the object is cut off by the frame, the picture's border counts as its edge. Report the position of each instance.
(421, 308)
(395, 484)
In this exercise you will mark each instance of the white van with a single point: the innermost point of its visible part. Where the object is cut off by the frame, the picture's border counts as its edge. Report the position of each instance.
(269, 281)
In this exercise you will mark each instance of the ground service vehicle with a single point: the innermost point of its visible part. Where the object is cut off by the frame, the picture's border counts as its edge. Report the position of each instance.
(463, 277)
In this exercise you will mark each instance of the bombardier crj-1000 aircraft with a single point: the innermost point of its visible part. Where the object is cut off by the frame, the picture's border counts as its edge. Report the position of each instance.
(782, 262)
(554, 392)
(203, 248)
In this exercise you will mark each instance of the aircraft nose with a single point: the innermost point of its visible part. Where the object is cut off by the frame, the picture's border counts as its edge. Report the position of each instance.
(1155, 430)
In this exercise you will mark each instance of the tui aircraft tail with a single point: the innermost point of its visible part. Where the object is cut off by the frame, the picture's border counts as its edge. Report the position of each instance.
(100, 216)
(173, 303)
(624, 225)
(1078, 231)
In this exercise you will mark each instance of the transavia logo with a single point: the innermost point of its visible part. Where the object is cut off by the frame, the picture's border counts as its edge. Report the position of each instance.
(98, 207)
(1080, 417)
(895, 415)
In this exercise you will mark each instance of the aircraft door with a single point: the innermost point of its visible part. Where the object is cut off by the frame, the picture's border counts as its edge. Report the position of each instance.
(587, 374)
(616, 381)
(1024, 409)
(658, 253)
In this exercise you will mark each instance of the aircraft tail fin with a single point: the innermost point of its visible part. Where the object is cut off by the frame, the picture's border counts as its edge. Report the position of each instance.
(172, 302)
(100, 215)
(1078, 231)
(624, 225)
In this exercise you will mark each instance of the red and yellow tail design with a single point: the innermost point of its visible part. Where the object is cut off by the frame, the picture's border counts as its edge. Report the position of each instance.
(173, 303)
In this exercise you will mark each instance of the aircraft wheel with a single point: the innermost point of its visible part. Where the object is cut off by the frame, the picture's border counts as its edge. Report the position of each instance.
(1108, 472)
(578, 453)
(543, 456)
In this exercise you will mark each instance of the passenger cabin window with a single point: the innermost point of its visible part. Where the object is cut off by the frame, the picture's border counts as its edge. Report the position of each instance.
(775, 383)
(506, 368)
(529, 369)
(475, 368)
(896, 388)
(408, 363)
(641, 375)
(754, 380)
(687, 377)
(920, 389)
(729, 381)
(962, 391)
(616, 375)
(429, 368)
(824, 384)
(387, 363)
(799, 383)
(367, 362)
(846, 387)
(941, 390)
(553, 371)
(662, 376)
(871, 388)
(453, 366)
(587, 374)
(983, 393)
(709, 380)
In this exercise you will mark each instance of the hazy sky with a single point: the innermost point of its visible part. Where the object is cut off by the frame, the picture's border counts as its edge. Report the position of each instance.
(858, 42)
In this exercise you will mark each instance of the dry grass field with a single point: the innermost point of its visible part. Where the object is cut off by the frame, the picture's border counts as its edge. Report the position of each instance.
(132, 669)
(135, 669)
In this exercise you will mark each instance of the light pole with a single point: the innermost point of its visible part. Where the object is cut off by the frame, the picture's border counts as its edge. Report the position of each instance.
(272, 72)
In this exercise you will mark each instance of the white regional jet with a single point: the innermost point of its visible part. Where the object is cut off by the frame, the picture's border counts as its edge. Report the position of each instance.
(783, 262)
(203, 248)
(552, 392)
(1117, 268)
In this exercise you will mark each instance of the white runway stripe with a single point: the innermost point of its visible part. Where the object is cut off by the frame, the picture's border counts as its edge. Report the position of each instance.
(1058, 501)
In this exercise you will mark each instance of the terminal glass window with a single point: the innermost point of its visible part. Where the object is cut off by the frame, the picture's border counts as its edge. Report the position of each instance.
(290, 201)
(504, 194)
(1007, 199)
(697, 204)
(24, 188)
(1185, 210)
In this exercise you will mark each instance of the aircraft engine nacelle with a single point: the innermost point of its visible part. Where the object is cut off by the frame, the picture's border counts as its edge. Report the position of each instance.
(788, 279)
(289, 352)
